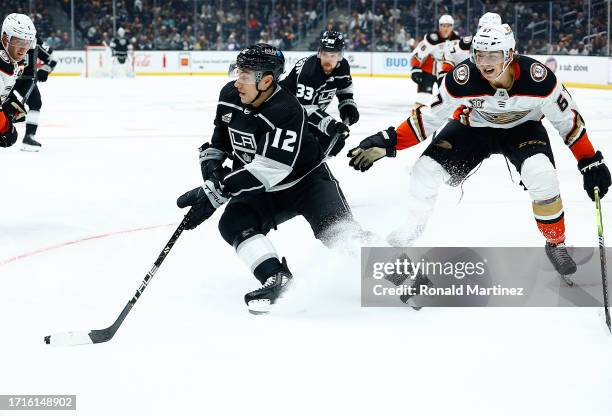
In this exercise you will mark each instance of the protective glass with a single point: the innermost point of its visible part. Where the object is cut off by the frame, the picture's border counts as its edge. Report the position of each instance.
(488, 57)
(244, 76)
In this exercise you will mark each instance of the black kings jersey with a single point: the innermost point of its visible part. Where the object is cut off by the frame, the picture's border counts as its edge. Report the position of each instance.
(270, 145)
(315, 90)
(43, 53)
(119, 46)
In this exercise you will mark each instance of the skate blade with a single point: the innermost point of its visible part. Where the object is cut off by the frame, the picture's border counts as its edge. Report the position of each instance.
(259, 307)
(567, 279)
(29, 148)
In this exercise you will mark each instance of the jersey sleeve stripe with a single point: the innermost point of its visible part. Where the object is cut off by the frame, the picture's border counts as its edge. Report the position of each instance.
(268, 171)
(225, 103)
(299, 139)
(261, 116)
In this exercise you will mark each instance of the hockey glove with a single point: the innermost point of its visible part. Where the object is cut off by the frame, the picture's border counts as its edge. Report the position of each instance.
(373, 148)
(43, 73)
(335, 128)
(417, 75)
(9, 138)
(204, 199)
(211, 163)
(348, 112)
(14, 109)
(595, 174)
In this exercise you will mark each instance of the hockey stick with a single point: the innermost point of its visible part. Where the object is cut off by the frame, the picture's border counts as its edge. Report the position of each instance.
(333, 142)
(96, 336)
(24, 99)
(602, 258)
(34, 76)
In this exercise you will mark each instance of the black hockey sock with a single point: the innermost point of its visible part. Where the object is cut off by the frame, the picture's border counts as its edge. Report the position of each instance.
(267, 268)
(31, 129)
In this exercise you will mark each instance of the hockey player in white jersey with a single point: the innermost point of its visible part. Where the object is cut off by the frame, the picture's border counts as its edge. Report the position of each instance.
(428, 53)
(18, 37)
(495, 102)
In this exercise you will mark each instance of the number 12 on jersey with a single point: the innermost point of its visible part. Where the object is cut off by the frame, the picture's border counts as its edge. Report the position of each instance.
(286, 137)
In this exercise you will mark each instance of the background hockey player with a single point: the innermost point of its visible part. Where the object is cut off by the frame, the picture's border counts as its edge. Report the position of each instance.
(316, 80)
(425, 60)
(18, 36)
(42, 52)
(278, 172)
(496, 100)
(120, 46)
(458, 51)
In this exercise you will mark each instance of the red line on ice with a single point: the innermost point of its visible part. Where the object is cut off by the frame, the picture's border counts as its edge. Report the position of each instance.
(77, 241)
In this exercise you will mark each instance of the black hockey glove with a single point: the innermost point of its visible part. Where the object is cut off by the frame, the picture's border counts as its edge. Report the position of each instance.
(43, 73)
(9, 138)
(417, 75)
(14, 109)
(211, 164)
(204, 199)
(335, 128)
(349, 112)
(373, 148)
(595, 174)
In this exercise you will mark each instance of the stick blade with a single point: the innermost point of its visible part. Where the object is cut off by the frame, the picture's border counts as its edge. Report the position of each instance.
(69, 338)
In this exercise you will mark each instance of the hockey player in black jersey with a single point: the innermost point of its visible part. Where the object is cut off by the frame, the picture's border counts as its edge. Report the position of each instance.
(278, 172)
(43, 53)
(119, 46)
(316, 80)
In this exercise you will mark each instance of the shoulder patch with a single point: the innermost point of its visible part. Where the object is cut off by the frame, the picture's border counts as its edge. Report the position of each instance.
(299, 65)
(461, 74)
(4, 57)
(538, 72)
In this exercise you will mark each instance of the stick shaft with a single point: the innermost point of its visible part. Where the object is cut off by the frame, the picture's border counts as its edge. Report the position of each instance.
(602, 258)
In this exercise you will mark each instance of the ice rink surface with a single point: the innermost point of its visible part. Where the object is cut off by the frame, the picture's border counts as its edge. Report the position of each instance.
(82, 221)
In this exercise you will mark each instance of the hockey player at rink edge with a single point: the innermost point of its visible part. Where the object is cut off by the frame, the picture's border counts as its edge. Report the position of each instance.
(428, 56)
(495, 102)
(278, 172)
(120, 46)
(18, 37)
(316, 80)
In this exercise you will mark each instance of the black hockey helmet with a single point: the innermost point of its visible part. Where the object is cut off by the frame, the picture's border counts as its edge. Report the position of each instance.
(262, 58)
(331, 41)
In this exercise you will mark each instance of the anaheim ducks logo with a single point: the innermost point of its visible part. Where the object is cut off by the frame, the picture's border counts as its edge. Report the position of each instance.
(502, 118)
(461, 74)
(538, 72)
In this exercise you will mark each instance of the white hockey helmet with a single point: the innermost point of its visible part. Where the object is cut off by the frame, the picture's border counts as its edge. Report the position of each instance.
(19, 26)
(121, 32)
(446, 19)
(493, 38)
(489, 19)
